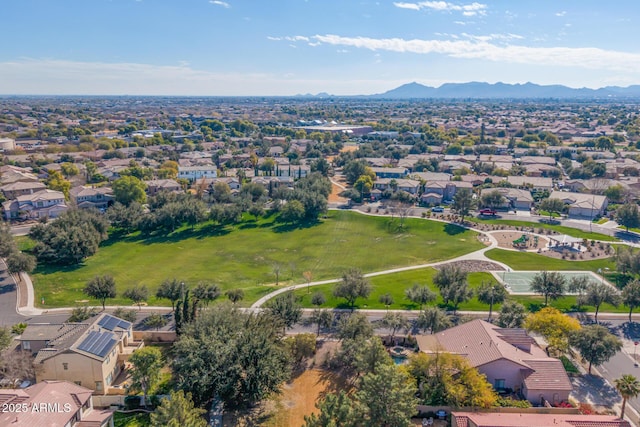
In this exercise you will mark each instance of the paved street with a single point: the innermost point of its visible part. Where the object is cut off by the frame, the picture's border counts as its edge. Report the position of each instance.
(8, 298)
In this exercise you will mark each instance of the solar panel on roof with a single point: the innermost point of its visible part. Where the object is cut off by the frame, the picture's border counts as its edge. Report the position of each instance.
(110, 322)
(98, 343)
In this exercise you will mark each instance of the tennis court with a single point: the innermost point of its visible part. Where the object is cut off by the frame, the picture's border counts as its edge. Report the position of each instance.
(518, 282)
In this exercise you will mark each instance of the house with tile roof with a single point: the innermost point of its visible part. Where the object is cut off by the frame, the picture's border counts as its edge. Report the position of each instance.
(508, 357)
(43, 204)
(492, 419)
(52, 404)
(582, 205)
(91, 354)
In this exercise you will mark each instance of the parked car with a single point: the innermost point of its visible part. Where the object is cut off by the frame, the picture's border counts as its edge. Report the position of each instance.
(488, 212)
(437, 209)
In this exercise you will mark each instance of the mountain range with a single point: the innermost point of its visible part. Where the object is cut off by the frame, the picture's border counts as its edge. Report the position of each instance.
(479, 90)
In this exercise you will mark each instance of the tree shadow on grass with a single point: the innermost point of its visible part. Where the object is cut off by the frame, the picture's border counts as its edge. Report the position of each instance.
(177, 236)
(452, 229)
(287, 227)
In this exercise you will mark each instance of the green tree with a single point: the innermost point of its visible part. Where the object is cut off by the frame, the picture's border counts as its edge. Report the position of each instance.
(355, 169)
(629, 387)
(554, 326)
(549, 284)
(286, 308)
(155, 320)
(355, 325)
(492, 199)
(20, 262)
(628, 216)
(386, 397)
(394, 322)
(205, 292)
(69, 169)
(318, 299)
(130, 315)
(301, 347)
(55, 181)
(292, 212)
(463, 202)
(129, 189)
(512, 315)
(420, 295)
(101, 288)
(145, 371)
(336, 410)
(491, 293)
(178, 411)
(615, 193)
(596, 344)
(137, 294)
(433, 319)
(171, 290)
(363, 184)
(552, 206)
(72, 237)
(322, 318)
(352, 286)
(449, 379)
(80, 314)
(386, 300)
(237, 356)
(631, 296)
(235, 295)
(579, 285)
(599, 293)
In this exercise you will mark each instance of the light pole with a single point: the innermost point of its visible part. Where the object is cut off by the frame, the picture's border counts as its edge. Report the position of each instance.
(635, 346)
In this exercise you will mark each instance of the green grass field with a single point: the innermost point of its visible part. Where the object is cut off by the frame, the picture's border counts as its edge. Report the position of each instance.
(395, 284)
(559, 228)
(243, 256)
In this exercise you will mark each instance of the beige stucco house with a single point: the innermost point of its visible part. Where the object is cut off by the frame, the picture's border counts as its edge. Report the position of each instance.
(90, 354)
(508, 357)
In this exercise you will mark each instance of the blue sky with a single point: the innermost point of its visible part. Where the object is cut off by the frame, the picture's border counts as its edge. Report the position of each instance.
(287, 47)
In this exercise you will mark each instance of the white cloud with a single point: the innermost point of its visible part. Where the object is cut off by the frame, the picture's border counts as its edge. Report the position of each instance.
(480, 47)
(470, 9)
(563, 13)
(220, 3)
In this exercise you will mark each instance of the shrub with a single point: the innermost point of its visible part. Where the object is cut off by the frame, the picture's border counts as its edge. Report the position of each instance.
(125, 314)
(18, 328)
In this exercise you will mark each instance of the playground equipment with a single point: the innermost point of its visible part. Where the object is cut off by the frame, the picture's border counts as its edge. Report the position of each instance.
(521, 241)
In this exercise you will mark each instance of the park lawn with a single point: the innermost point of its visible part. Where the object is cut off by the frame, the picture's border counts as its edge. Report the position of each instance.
(528, 261)
(244, 255)
(394, 284)
(559, 228)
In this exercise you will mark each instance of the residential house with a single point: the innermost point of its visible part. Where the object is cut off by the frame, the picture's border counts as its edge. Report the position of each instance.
(12, 174)
(408, 185)
(21, 188)
(155, 186)
(91, 354)
(52, 404)
(508, 357)
(193, 173)
(535, 183)
(436, 192)
(514, 198)
(431, 176)
(582, 205)
(88, 197)
(390, 172)
(43, 204)
(233, 183)
(520, 419)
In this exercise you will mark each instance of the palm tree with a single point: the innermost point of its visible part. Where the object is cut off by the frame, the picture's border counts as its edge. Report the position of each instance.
(628, 386)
